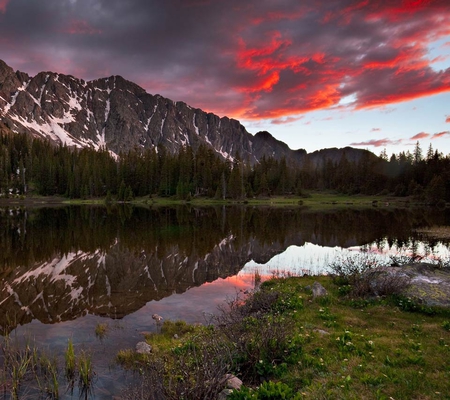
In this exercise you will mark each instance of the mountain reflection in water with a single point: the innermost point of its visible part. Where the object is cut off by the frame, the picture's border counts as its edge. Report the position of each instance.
(58, 264)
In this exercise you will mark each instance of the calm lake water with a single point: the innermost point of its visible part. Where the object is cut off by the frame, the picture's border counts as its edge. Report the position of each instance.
(64, 270)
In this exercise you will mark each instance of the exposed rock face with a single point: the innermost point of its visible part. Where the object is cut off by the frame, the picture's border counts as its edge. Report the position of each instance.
(119, 115)
(430, 285)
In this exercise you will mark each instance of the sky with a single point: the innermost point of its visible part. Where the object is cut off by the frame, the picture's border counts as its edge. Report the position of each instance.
(372, 74)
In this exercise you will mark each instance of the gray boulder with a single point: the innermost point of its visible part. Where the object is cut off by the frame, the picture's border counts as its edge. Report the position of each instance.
(318, 290)
(143, 348)
(232, 382)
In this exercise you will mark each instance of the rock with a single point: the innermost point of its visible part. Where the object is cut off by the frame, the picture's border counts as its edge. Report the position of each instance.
(318, 290)
(143, 348)
(157, 318)
(232, 382)
(429, 284)
(321, 332)
(224, 394)
(175, 336)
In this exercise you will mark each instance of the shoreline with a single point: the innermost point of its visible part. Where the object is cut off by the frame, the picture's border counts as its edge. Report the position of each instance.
(314, 200)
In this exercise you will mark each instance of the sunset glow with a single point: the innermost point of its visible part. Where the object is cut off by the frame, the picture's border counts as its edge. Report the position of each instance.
(310, 73)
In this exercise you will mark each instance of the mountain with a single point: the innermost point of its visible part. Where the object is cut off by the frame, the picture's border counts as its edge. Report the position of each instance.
(119, 115)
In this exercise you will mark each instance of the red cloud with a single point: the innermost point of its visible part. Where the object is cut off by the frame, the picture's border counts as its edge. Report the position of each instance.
(421, 135)
(382, 64)
(252, 59)
(377, 142)
(440, 134)
(447, 119)
(3, 4)
(80, 27)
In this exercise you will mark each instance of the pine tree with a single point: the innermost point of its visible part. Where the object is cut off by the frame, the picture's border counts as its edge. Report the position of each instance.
(417, 156)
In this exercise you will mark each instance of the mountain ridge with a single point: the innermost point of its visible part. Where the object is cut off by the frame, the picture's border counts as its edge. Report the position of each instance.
(119, 115)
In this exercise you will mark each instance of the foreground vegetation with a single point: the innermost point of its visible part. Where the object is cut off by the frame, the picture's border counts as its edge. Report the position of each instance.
(26, 371)
(284, 343)
(356, 341)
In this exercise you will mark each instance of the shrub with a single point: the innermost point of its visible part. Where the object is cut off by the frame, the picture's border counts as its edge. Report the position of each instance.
(363, 274)
(194, 369)
(261, 336)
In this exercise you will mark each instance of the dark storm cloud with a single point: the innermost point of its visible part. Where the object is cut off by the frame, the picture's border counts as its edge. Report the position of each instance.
(252, 59)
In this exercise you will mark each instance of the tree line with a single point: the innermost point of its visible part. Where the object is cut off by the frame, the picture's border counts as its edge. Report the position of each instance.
(38, 166)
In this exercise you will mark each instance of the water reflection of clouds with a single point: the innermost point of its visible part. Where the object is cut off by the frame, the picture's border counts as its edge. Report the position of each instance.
(308, 259)
(313, 259)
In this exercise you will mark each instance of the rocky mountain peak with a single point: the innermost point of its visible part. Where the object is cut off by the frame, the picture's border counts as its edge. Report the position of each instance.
(119, 115)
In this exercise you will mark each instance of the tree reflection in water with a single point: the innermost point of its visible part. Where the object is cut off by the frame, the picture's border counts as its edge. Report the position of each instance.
(58, 264)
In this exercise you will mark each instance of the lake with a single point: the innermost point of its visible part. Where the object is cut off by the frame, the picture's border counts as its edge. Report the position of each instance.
(64, 270)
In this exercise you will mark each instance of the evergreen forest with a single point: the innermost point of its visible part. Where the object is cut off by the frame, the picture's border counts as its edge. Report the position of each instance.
(30, 165)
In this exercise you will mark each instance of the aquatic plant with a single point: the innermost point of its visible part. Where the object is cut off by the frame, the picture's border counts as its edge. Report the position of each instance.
(86, 373)
(70, 361)
(101, 330)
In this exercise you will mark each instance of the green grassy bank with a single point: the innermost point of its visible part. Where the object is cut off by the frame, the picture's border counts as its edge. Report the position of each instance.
(283, 343)
(324, 200)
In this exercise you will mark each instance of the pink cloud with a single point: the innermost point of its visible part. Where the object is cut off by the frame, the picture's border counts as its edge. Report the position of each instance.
(3, 4)
(377, 142)
(421, 135)
(447, 119)
(375, 130)
(440, 134)
(286, 120)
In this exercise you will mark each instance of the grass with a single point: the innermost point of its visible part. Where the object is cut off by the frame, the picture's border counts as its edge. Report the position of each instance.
(70, 362)
(325, 348)
(170, 334)
(86, 373)
(315, 199)
(101, 329)
(28, 372)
